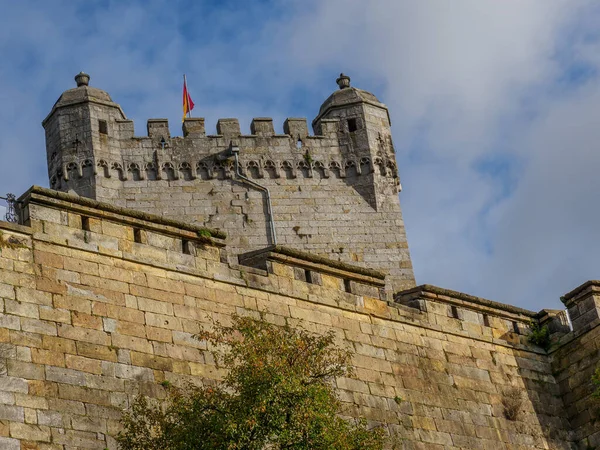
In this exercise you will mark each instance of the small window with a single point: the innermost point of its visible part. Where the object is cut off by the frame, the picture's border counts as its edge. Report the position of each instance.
(454, 312)
(85, 223)
(486, 320)
(308, 276)
(137, 235)
(299, 143)
(102, 127)
(185, 247)
(515, 327)
(352, 125)
(348, 286)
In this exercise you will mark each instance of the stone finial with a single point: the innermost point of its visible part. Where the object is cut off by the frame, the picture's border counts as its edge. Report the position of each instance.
(343, 81)
(82, 79)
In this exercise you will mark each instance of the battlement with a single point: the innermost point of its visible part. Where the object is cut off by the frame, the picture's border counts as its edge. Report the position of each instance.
(293, 127)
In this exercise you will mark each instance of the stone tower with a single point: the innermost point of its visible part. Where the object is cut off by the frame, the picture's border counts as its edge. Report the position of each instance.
(364, 131)
(80, 132)
(334, 194)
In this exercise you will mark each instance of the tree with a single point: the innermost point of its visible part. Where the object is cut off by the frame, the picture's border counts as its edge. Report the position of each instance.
(278, 394)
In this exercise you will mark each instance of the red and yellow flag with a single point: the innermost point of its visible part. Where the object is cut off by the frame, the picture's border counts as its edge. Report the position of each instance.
(188, 104)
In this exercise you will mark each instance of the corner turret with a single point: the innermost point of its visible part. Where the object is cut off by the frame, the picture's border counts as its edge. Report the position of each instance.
(81, 131)
(365, 137)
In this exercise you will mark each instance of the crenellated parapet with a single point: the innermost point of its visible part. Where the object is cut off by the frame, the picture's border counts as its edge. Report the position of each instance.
(295, 154)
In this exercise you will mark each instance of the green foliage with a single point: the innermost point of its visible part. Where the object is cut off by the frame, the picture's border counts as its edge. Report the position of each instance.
(204, 236)
(278, 394)
(166, 384)
(308, 157)
(204, 233)
(539, 335)
(596, 381)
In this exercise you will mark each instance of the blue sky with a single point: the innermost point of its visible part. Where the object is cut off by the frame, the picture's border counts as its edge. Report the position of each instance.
(494, 108)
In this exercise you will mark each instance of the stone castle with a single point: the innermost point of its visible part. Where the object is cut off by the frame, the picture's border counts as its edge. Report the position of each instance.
(140, 241)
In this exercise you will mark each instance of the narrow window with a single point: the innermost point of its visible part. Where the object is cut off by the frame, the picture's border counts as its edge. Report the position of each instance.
(348, 286)
(454, 312)
(102, 127)
(486, 320)
(515, 327)
(299, 143)
(308, 276)
(352, 125)
(185, 247)
(85, 223)
(137, 235)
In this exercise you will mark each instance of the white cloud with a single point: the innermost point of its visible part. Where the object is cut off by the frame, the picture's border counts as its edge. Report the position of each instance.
(462, 81)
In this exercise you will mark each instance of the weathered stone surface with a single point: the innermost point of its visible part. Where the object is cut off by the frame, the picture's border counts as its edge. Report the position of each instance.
(434, 376)
(103, 303)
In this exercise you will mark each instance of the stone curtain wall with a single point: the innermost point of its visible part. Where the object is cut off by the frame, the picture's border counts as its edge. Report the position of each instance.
(101, 305)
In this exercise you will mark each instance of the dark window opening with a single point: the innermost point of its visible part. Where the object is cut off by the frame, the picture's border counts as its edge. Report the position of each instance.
(486, 320)
(137, 235)
(352, 127)
(348, 286)
(85, 223)
(308, 276)
(454, 312)
(515, 327)
(102, 127)
(185, 247)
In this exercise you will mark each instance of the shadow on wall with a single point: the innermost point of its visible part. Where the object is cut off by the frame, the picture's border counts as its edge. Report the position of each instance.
(531, 399)
(556, 377)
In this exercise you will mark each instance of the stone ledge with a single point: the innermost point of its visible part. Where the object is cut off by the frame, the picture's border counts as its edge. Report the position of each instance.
(9, 226)
(587, 288)
(460, 299)
(300, 258)
(72, 202)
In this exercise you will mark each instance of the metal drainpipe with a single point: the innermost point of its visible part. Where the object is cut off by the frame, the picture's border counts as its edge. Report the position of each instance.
(235, 150)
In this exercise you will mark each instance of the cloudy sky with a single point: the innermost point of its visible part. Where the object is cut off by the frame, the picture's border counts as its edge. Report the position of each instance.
(495, 108)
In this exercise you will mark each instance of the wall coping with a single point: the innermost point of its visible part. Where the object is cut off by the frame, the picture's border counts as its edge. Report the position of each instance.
(327, 265)
(460, 298)
(9, 226)
(580, 292)
(37, 194)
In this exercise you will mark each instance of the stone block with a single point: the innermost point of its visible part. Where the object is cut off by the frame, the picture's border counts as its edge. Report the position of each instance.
(7, 443)
(131, 343)
(296, 127)
(24, 431)
(262, 126)
(158, 128)
(83, 364)
(38, 326)
(58, 344)
(83, 334)
(228, 127)
(85, 320)
(193, 127)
